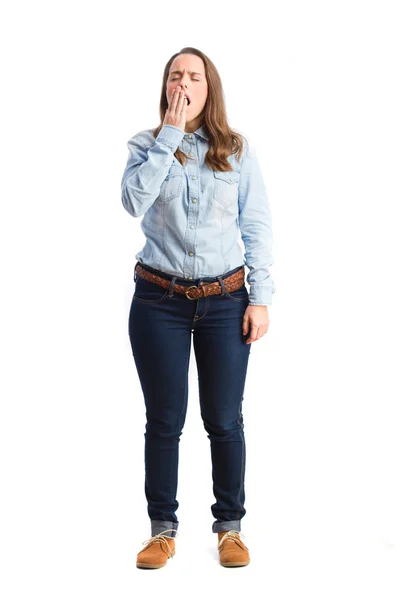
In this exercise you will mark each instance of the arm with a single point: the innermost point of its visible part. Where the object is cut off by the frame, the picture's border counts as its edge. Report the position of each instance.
(147, 168)
(256, 230)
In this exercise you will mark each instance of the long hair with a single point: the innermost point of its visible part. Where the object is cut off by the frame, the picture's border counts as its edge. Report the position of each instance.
(222, 139)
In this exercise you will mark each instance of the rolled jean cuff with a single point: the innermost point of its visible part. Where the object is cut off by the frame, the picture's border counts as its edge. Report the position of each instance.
(160, 526)
(226, 526)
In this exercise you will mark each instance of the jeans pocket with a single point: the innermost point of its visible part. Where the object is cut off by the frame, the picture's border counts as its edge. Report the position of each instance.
(240, 295)
(148, 292)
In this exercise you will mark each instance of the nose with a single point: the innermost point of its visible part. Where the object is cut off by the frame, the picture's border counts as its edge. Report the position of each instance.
(184, 77)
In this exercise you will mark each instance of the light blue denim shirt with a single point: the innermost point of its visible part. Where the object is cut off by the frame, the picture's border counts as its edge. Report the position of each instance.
(194, 215)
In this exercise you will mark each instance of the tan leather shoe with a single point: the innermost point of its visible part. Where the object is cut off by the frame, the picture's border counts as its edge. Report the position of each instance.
(232, 551)
(158, 549)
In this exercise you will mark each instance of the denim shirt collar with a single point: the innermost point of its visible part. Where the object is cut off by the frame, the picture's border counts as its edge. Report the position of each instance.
(201, 131)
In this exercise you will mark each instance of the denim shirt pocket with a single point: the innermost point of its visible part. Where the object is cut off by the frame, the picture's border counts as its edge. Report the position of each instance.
(226, 187)
(172, 184)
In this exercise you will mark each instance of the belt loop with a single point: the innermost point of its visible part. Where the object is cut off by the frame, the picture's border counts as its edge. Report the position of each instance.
(171, 286)
(135, 275)
(219, 277)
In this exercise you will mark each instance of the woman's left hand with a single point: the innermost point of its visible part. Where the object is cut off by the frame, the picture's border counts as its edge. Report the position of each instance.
(257, 321)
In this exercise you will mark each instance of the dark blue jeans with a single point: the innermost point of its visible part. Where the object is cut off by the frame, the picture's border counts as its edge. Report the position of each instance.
(161, 324)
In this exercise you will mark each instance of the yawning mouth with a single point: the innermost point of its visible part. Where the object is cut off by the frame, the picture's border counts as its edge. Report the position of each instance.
(188, 99)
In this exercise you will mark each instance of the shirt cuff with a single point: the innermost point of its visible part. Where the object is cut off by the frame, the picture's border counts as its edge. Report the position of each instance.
(260, 295)
(171, 136)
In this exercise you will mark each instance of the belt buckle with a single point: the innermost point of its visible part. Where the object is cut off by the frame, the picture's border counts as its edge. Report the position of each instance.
(188, 289)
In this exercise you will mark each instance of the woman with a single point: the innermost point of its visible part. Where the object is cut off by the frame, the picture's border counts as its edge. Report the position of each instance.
(198, 185)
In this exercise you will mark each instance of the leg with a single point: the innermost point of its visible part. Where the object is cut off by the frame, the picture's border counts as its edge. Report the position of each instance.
(222, 358)
(160, 341)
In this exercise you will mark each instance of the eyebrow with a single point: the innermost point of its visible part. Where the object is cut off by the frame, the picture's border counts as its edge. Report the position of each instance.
(192, 72)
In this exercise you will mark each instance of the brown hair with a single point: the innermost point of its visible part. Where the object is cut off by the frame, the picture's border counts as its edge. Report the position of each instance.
(223, 140)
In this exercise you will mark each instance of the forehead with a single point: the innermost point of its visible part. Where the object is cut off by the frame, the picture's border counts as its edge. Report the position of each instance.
(189, 63)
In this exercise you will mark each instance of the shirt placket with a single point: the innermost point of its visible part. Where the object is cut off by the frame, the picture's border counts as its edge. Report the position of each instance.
(193, 208)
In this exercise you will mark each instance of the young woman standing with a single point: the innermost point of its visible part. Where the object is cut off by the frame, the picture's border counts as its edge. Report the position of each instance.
(198, 186)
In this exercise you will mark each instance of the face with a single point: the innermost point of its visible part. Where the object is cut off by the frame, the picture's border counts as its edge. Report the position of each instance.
(190, 75)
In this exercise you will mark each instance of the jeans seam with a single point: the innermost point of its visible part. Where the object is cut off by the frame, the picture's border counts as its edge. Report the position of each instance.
(241, 487)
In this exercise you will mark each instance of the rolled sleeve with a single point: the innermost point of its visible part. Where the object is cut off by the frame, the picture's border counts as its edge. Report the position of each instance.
(170, 136)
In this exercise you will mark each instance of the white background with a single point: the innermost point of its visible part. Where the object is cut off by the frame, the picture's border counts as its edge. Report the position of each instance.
(315, 85)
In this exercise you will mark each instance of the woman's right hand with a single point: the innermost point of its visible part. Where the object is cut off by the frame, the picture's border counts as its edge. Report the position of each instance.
(176, 111)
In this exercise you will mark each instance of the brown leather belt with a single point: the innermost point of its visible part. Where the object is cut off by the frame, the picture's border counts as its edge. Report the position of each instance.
(232, 282)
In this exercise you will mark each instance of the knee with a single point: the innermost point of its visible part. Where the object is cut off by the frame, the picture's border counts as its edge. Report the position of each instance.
(224, 430)
(162, 430)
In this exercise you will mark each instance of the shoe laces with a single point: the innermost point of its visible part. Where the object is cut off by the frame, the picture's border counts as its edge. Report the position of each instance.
(232, 535)
(160, 537)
